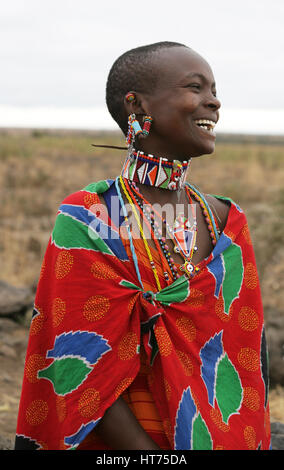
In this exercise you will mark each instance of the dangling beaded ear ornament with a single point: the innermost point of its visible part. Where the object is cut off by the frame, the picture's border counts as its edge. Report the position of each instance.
(134, 128)
(147, 125)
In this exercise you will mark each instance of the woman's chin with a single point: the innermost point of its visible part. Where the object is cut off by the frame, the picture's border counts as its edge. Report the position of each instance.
(203, 150)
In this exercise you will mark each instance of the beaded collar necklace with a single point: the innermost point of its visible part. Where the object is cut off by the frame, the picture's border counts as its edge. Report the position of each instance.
(162, 173)
(155, 171)
(184, 243)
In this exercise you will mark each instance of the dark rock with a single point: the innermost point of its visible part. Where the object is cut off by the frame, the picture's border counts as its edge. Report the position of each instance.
(6, 443)
(14, 300)
(275, 343)
(13, 338)
(277, 436)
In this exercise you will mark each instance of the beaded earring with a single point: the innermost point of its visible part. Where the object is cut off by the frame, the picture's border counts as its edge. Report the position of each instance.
(147, 125)
(130, 97)
(134, 129)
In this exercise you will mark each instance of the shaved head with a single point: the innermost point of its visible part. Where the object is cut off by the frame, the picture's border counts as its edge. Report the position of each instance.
(134, 70)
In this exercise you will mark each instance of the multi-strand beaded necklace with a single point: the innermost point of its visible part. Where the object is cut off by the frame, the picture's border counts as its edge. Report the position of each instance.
(183, 232)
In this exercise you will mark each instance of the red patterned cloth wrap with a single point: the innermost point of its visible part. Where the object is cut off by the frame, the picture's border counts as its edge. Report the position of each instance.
(204, 338)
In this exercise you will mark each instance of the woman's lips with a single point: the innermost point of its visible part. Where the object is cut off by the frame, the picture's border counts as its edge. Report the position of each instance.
(206, 125)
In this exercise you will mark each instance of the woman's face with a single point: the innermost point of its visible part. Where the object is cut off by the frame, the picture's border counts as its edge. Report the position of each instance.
(184, 101)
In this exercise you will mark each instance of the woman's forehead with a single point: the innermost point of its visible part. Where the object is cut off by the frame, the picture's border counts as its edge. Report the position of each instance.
(180, 63)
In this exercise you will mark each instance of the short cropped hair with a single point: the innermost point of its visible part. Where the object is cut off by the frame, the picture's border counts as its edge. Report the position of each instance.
(134, 70)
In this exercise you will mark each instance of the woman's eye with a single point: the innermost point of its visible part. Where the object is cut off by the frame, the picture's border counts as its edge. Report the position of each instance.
(194, 85)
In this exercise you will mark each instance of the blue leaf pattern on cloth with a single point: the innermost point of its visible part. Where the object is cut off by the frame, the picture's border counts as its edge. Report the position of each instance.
(216, 266)
(210, 355)
(83, 344)
(184, 421)
(75, 439)
(99, 228)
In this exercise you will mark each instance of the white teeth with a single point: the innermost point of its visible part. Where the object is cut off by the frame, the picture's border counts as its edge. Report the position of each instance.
(205, 124)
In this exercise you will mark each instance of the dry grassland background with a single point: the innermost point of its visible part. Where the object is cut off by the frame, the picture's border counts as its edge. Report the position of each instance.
(38, 169)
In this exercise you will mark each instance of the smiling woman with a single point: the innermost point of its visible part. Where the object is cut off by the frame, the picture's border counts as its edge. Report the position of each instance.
(180, 92)
(152, 337)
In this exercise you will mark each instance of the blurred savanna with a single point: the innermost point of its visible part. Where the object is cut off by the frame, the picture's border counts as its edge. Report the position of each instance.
(39, 168)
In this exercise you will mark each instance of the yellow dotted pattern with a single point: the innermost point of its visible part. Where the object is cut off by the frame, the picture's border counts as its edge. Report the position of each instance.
(248, 359)
(63, 264)
(89, 402)
(163, 340)
(248, 319)
(220, 312)
(246, 234)
(195, 399)
(267, 421)
(127, 347)
(250, 276)
(196, 298)
(58, 311)
(90, 199)
(42, 269)
(186, 363)
(61, 408)
(187, 328)
(216, 417)
(37, 322)
(251, 399)
(36, 412)
(250, 437)
(123, 385)
(35, 362)
(103, 271)
(168, 389)
(96, 307)
(131, 303)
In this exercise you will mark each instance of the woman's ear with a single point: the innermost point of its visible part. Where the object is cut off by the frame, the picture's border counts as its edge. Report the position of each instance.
(135, 103)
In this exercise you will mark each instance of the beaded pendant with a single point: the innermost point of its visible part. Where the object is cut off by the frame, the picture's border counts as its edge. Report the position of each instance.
(184, 235)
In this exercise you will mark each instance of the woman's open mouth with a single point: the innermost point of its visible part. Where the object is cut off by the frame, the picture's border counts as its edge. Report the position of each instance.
(206, 125)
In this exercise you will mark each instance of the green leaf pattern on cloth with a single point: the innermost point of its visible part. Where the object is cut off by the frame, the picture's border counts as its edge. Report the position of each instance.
(220, 377)
(65, 374)
(233, 278)
(201, 438)
(70, 233)
(228, 388)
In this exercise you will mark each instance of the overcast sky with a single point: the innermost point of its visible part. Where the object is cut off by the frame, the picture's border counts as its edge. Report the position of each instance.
(59, 52)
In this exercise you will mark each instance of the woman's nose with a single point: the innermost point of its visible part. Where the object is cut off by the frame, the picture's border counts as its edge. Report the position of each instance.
(213, 102)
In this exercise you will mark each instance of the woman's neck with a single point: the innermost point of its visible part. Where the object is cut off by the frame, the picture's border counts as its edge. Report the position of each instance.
(148, 146)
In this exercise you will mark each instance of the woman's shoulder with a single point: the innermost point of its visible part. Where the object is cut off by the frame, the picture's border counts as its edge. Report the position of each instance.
(88, 193)
(221, 207)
